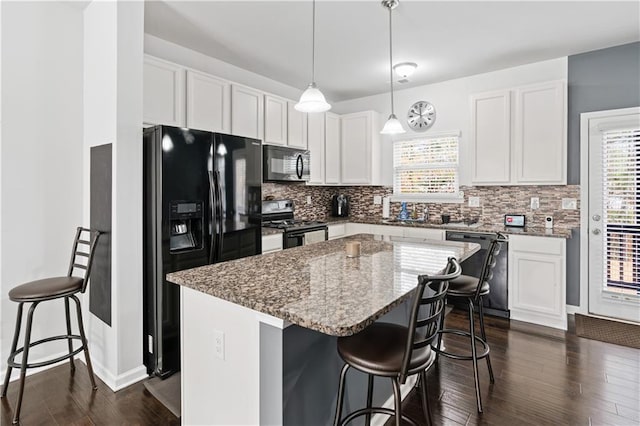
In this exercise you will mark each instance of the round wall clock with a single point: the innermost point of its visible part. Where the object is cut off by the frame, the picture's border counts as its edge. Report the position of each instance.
(421, 116)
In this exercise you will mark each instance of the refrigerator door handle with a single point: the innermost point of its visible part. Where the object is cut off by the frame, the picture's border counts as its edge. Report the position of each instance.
(299, 166)
(213, 203)
(219, 215)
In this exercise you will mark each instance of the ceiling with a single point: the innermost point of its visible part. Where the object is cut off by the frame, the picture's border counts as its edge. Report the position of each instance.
(446, 39)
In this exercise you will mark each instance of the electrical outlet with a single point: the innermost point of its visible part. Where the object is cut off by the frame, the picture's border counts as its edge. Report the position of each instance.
(474, 201)
(218, 342)
(535, 203)
(308, 199)
(569, 204)
(377, 199)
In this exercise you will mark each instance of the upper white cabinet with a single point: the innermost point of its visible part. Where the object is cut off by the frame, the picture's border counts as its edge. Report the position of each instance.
(275, 120)
(247, 112)
(491, 138)
(520, 142)
(297, 127)
(208, 103)
(332, 153)
(163, 92)
(537, 283)
(540, 134)
(316, 142)
(360, 148)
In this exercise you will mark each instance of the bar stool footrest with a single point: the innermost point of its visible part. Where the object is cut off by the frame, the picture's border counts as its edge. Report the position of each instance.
(11, 361)
(375, 410)
(480, 355)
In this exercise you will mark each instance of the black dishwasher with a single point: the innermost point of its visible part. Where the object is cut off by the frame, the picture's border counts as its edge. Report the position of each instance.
(497, 303)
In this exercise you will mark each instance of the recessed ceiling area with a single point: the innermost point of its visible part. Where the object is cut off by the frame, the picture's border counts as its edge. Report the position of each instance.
(446, 39)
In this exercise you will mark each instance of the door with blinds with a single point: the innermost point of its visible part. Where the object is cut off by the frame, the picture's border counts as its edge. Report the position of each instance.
(614, 213)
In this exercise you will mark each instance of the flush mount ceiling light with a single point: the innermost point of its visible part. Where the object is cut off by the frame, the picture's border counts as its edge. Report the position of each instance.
(392, 126)
(405, 69)
(312, 99)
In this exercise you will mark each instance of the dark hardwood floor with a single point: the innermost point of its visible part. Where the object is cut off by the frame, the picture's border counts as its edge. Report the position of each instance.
(543, 377)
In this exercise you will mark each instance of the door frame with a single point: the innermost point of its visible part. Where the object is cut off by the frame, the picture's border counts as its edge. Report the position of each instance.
(584, 199)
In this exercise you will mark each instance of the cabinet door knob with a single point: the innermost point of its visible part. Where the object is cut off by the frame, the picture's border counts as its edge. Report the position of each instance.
(596, 231)
(596, 217)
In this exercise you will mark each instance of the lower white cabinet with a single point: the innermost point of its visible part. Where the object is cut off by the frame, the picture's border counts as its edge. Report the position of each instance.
(393, 231)
(271, 243)
(537, 282)
(338, 230)
(426, 233)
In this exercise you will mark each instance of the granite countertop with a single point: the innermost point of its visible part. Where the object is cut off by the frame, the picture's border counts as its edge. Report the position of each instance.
(557, 232)
(319, 288)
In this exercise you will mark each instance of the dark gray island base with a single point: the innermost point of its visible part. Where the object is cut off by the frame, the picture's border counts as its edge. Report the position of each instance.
(259, 334)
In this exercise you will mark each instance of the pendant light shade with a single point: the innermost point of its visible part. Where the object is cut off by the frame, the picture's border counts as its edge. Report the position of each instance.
(393, 125)
(312, 99)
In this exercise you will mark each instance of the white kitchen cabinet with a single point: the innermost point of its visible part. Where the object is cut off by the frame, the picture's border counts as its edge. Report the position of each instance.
(425, 233)
(271, 243)
(360, 148)
(537, 283)
(491, 138)
(522, 142)
(541, 134)
(163, 92)
(316, 142)
(358, 228)
(297, 127)
(247, 112)
(275, 120)
(337, 230)
(394, 231)
(208, 103)
(332, 149)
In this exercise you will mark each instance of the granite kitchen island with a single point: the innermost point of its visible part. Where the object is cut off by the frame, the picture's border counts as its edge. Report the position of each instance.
(258, 334)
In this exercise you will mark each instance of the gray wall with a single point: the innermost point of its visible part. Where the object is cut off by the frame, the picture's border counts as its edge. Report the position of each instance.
(599, 80)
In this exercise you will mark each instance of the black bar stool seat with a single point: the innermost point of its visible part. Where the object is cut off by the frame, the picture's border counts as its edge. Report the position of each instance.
(465, 286)
(48, 288)
(43, 290)
(379, 349)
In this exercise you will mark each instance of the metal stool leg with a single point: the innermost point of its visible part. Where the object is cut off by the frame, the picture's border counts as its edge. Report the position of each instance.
(397, 399)
(369, 399)
(441, 326)
(474, 355)
(25, 357)
(70, 344)
(484, 337)
(425, 398)
(343, 375)
(84, 342)
(14, 345)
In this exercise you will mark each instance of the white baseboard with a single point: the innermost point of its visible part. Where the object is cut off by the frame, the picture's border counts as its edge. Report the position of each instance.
(381, 419)
(572, 310)
(120, 381)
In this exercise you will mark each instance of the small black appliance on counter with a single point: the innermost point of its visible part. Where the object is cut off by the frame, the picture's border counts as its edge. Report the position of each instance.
(340, 205)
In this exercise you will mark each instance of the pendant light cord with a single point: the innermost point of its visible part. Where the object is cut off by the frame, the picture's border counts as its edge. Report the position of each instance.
(390, 58)
(313, 44)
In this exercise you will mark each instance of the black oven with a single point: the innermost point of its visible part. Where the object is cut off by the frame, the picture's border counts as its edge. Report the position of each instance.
(302, 237)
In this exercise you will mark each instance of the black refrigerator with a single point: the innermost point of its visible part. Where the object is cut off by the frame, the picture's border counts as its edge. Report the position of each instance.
(202, 205)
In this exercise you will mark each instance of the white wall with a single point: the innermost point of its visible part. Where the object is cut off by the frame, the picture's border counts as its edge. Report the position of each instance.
(113, 114)
(190, 58)
(451, 100)
(40, 156)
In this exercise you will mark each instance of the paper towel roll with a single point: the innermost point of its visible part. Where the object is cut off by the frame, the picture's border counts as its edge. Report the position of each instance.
(386, 207)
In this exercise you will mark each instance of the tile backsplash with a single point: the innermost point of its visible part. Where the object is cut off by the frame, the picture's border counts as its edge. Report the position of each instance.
(495, 202)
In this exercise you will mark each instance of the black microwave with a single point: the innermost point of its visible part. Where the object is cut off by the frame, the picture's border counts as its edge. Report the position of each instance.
(283, 164)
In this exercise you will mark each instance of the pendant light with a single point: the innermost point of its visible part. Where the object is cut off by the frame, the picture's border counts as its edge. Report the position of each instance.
(392, 126)
(312, 99)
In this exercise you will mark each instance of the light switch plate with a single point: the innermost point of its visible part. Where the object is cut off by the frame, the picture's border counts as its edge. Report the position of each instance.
(569, 204)
(535, 203)
(377, 199)
(474, 201)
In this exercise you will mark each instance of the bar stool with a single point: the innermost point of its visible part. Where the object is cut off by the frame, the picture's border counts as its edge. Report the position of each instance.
(43, 290)
(473, 289)
(395, 351)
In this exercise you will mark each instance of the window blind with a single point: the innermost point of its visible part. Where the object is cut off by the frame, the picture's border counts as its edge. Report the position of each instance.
(621, 200)
(426, 166)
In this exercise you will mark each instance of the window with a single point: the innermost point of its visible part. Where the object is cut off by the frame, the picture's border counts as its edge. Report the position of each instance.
(426, 168)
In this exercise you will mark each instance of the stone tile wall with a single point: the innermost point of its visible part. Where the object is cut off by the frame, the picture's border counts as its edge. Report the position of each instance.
(495, 202)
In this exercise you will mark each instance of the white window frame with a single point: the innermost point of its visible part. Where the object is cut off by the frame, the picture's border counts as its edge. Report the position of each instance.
(457, 197)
